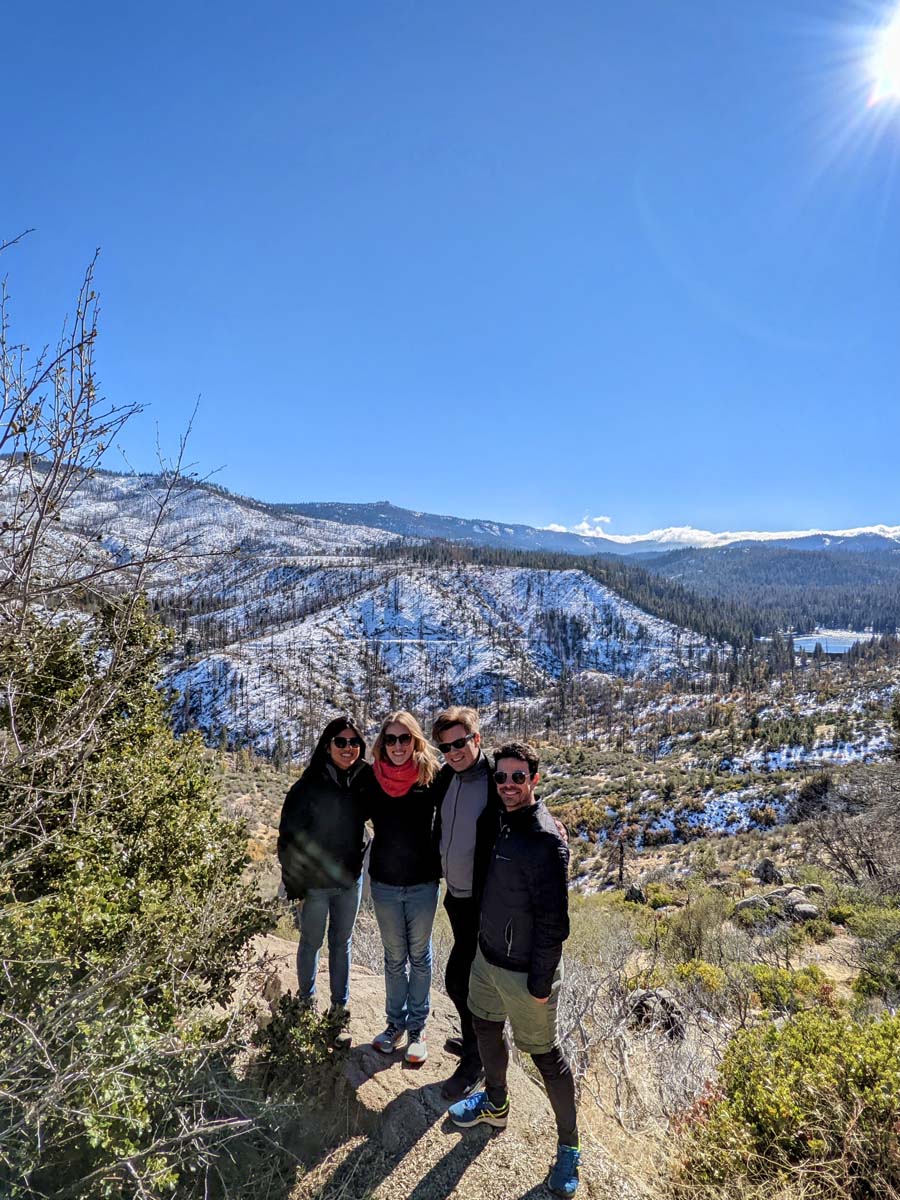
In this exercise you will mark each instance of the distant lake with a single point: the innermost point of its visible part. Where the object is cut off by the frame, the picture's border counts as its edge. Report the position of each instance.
(832, 641)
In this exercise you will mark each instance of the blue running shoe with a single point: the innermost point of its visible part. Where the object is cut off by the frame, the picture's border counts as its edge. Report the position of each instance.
(477, 1110)
(563, 1178)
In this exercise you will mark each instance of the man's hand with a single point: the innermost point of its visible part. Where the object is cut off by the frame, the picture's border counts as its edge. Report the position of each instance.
(544, 1001)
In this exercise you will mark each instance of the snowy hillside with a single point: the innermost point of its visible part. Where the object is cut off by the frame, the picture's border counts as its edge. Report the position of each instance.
(370, 638)
(283, 618)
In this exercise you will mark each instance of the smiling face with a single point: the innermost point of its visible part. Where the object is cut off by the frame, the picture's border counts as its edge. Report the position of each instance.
(400, 750)
(463, 757)
(516, 795)
(344, 756)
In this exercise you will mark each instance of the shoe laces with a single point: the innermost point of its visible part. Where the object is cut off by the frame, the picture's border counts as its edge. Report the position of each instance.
(477, 1100)
(568, 1157)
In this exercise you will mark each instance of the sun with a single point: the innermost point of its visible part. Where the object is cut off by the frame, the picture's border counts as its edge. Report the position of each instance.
(885, 64)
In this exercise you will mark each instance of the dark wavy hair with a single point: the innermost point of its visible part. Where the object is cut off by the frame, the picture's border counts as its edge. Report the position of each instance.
(523, 752)
(319, 756)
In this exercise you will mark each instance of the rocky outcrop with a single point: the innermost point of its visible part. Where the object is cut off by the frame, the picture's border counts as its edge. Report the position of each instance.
(767, 872)
(657, 1008)
(397, 1142)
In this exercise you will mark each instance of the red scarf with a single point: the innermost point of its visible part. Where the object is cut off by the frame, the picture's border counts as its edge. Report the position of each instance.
(396, 781)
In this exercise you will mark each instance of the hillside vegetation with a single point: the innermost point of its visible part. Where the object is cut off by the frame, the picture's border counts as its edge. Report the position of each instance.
(730, 999)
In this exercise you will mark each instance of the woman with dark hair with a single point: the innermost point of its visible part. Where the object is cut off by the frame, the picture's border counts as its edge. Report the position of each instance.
(321, 842)
(404, 869)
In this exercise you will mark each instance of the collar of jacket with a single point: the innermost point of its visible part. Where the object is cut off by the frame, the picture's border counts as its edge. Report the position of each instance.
(343, 778)
(478, 768)
(519, 815)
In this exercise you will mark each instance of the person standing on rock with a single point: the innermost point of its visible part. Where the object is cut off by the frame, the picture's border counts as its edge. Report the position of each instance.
(517, 971)
(405, 869)
(468, 813)
(321, 843)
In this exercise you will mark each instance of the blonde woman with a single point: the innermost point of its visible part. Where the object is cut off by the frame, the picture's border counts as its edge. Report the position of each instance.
(404, 868)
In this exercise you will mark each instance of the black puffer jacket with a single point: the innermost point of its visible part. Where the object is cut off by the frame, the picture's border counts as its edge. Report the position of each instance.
(321, 837)
(525, 897)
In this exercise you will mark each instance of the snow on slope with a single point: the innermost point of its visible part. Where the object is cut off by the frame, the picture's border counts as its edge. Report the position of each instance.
(421, 637)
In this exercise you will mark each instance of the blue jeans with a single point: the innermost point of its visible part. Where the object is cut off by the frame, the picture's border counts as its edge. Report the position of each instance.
(405, 916)
(339, 907)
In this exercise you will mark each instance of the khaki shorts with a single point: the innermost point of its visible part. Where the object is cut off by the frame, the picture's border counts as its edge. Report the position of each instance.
(496, 994)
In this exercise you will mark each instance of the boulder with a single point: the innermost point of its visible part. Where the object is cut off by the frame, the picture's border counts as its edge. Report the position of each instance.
(766, 872)
(814, 889)
(757, 902)
(804, 912)
(635, 894)
(657, 1008)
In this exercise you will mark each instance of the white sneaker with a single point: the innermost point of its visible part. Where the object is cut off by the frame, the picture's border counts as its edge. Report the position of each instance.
(417, 1050)
(390, 1040)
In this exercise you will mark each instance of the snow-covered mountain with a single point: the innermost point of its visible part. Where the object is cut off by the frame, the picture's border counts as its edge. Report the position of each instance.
(284, 618)
(280, 650)
(586, 538)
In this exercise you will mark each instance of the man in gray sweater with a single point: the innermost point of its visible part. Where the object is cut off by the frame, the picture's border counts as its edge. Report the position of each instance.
(466, 791)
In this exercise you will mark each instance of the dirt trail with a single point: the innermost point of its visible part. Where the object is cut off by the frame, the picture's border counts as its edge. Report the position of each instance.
(400, 1145)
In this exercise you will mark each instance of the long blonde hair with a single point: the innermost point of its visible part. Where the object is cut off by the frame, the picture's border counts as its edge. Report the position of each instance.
(423, 756)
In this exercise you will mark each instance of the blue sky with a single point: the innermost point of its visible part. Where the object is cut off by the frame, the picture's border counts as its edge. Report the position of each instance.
(500, 259)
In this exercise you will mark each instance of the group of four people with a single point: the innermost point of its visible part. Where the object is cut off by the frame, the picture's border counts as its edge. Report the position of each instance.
(504, 862)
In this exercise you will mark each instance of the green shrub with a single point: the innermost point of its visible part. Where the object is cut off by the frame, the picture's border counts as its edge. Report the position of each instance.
(754, 918)
(696, 930)
(703, 975)
(818, 930)
(659, 896)
(126, 917)
(784, 991)
(815, 1103)
(841, 912)
(296, 1054)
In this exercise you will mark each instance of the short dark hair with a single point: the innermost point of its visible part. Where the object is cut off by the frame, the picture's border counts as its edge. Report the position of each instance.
(523, 752)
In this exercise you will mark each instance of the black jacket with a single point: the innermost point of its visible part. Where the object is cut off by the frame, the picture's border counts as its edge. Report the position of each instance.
(525, 897)
(321, 837)
(404, 852)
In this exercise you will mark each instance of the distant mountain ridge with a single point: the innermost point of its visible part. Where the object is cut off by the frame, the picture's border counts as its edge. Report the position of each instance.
(406, 522)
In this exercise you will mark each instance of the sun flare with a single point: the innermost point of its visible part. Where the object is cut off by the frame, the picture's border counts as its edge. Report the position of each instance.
(885, 64)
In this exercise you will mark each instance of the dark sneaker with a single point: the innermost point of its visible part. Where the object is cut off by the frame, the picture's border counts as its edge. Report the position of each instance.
(417, 1050)
(390, 1040)
(563, 1177)
(454, 1046)
(478, 1110)
(466, 1077)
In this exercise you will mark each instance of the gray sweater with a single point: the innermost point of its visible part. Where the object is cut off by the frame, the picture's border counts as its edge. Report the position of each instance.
(463, 804)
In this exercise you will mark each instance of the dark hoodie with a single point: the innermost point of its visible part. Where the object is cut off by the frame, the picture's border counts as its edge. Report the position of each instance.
(321, 837)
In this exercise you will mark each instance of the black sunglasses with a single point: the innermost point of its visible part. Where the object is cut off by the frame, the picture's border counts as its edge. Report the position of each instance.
(343, 742)
(516, 776)
(402, 739)
(455, 745)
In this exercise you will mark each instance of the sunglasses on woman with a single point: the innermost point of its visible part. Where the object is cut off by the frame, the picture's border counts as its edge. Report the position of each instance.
(518, 777)
(343, 742)
(397, 739)
(454, 745)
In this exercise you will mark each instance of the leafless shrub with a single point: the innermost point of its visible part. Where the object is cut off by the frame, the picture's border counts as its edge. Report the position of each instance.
(857, 836)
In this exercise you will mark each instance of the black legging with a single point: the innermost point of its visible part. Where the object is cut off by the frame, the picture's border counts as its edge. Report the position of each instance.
(463, 914)
(554, 1069)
